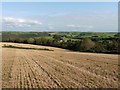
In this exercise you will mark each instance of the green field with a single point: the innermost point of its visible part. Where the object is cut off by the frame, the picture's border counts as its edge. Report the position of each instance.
(64, 35)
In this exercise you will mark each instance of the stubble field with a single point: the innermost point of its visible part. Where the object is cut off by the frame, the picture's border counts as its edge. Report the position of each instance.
(60, 68)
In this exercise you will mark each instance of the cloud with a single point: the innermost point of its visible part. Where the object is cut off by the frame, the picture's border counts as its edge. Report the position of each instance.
(71, 25)
(80, 26)
(51, 27)
(86, 26)
(19, 22)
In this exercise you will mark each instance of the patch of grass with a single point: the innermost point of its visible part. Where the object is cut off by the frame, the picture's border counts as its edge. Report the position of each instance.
(10, 46)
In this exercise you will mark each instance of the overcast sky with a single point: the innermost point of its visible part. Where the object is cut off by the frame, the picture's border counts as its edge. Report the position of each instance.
(60, 16)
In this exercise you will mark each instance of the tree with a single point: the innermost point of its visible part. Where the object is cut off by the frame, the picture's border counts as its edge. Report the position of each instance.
(87, 44)
(117, 35)
(41, 41)
(18, 40)
(99, 48)
(57, 38)
(30, 40)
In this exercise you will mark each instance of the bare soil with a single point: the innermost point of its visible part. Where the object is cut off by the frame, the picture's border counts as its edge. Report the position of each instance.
(57, 69)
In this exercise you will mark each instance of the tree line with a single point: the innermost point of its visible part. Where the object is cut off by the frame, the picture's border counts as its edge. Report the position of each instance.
(83, 45)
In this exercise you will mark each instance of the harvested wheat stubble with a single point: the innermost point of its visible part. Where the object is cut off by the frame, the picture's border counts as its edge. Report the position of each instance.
(60, 68)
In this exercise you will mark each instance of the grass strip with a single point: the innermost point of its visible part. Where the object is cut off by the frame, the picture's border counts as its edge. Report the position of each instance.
(10, 46)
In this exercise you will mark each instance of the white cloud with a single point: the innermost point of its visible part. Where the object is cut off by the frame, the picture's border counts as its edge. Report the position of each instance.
(49, 24)
(80, 26)
(71, 25)
(19, 22)
(51, 27)
(85, 26)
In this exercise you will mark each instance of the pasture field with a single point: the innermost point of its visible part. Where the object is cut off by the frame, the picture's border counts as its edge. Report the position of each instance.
(60, 68)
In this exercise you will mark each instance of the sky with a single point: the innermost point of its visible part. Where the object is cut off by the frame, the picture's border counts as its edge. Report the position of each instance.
(60, 16)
